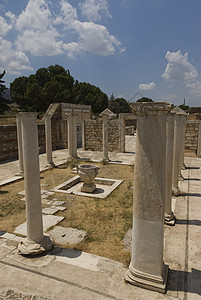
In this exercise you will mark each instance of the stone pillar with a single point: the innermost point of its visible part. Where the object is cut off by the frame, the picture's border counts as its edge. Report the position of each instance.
(179, 144)
(183, 137)
(105, 137)
(83, 135)
(35, 242)
(147, 268)
(72, 136)
(199, 140)
(169, 215)
(121, 134)
(48, 138)
(74, 130)
(19, 143)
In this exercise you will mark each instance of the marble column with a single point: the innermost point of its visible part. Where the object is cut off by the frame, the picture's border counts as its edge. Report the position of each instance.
(72, 136)
(169, 215)
(19, 143)
(199, 140)
(105, 137)
(83, 135)
(179, 144)
(147, 268)
(35, 242)
(121, 134)
(183, 137)
(48, 138)
(74, 130)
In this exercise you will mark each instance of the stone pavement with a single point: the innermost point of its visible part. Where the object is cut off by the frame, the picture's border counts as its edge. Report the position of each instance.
(71, 274)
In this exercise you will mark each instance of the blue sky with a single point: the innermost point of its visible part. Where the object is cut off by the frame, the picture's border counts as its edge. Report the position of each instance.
(121, 46)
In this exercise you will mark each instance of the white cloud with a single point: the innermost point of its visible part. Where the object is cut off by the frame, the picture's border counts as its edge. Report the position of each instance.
(12, 61)
(92, 9)
(37, 35)
(68, 14)
(95, 38)
(147, 87)
(36, 16)
(72, 49)
(178, 67)
(11, 16)
(194, 88)
(4, 27)
(40, 43)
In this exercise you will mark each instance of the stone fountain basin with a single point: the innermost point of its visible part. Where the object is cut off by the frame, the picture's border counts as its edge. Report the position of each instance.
(104, 187)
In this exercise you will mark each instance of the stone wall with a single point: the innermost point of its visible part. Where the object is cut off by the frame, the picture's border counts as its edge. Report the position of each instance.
(8, 137)
(191, 141)
(94, 135)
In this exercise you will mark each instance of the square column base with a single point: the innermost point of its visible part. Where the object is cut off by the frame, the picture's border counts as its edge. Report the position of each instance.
(148, 281)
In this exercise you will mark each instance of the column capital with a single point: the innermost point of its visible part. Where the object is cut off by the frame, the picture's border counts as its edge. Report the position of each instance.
(143, 108)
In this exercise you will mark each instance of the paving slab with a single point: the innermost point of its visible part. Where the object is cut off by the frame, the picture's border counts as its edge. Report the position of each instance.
(48, 221)
(63, 236)
(49, 211)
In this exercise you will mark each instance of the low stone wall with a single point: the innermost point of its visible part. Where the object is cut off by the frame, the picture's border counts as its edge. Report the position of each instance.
(191, 140)
(94, 135)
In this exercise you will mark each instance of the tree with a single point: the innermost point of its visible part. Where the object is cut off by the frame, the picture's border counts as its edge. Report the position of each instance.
(55, 84)
(3, 102)
(120, 105)
(145, 99)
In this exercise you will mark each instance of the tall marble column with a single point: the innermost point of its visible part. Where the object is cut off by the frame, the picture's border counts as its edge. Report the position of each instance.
(169, 215)
(121, 133)
(74, 130)
(179, 144)
(183, 135)
(19, 143)
(48, 138)
(199, 140)
(35, 242)
(72, 136)
(147, 268)
(105, 137)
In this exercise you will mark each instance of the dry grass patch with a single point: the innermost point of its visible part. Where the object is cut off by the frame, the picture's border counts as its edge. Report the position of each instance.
(105, 220)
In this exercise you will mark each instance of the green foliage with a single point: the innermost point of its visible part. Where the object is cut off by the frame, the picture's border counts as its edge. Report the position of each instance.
(184, 107)
(145, 99)
(55, 84)
(120, 105)
(3, 102)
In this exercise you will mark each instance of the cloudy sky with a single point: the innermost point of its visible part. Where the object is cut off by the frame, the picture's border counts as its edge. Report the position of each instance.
(121, 46)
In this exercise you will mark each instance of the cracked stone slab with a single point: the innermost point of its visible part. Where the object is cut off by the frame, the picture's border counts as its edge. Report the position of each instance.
(48, 221)
(49, 193)
(49, 211)
(11, 237)
(61, 208)
(63, 236)
(58, 203)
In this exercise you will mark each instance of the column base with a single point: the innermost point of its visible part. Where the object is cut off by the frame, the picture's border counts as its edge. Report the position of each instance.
(28, 247)
(148, 281)
(170, 219)
(20, 173)
(175, 191)
(50, 165)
